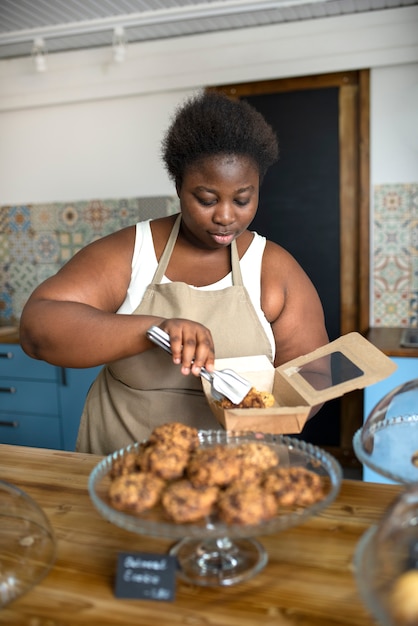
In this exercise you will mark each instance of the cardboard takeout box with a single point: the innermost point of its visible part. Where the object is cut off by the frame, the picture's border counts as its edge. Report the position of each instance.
(352, 363)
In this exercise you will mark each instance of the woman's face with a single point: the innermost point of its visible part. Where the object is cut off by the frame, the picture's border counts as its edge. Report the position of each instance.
(218, 199)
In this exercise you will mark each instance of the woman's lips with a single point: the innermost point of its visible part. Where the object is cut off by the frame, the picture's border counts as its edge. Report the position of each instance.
(223, 238)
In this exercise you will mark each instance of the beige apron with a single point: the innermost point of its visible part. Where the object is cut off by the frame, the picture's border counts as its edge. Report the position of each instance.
(132, 396)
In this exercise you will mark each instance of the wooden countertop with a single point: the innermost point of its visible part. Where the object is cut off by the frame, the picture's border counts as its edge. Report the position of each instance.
(388, 341)
(307, 581)
(9, 334)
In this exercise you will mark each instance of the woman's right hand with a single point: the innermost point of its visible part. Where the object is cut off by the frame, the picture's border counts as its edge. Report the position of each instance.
(191, 345)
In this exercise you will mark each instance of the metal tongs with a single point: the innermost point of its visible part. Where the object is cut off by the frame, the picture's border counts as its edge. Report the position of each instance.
(224, 383)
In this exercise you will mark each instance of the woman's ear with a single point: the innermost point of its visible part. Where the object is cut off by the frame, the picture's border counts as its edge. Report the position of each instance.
(178, 187)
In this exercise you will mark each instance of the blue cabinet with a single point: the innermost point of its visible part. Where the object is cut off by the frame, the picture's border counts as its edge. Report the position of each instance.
(407, 369)
(40, 404)
(73, 391)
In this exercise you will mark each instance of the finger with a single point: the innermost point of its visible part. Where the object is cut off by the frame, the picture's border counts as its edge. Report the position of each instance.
(176, 344)
(204, 353)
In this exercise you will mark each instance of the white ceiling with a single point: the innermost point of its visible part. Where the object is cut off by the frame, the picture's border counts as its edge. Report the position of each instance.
(76, 24)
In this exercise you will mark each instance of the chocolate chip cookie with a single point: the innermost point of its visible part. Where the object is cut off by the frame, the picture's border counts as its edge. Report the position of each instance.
(175, 434)
(293, 486)
(184, 502)
(218, 465)
(246, 504)
(135, 492)
(165, 460)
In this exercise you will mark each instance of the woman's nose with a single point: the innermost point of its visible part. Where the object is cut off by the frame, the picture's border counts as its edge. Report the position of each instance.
(224, 213)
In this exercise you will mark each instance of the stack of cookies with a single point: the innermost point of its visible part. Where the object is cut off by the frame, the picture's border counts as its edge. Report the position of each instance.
(239, 484)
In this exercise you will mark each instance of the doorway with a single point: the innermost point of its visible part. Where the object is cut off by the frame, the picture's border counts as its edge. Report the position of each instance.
(315, 203)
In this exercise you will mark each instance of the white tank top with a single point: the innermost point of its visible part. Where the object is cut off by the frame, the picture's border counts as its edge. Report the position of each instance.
(144, 265)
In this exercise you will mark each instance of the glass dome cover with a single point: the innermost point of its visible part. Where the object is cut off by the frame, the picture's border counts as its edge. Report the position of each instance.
(384, 554)
(27, 543)
(388, 440)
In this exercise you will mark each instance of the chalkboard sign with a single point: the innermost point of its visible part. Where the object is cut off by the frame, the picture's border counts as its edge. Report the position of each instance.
(299, 198)
(146, 576)
(300, 209)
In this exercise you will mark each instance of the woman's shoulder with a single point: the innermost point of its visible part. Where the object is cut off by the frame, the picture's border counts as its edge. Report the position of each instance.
(275, 253)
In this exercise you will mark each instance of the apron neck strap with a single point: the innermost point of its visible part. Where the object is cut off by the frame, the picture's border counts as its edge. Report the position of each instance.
(165, 257)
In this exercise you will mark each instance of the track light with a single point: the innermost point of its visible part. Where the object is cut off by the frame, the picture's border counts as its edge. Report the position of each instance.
(39, 52)
(119, 44)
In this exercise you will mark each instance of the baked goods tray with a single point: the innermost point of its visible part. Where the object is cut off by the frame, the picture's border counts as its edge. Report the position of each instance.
(291, 452)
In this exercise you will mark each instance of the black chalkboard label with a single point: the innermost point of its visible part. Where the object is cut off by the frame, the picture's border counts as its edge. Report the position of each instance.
(146, 576)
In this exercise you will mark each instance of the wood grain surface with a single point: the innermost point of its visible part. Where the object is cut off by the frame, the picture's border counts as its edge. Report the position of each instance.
(308, 580)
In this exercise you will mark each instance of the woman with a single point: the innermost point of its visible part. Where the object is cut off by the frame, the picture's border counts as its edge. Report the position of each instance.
(213, 285)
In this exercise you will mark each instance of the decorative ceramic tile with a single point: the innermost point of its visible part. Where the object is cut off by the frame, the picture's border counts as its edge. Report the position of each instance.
(414, 272)
(22, 277)
(44, 271)
(414, 236)
(4, 248)
(6, 306)
(413, 309)
(36, 240)
(414, 201)
(43, 217)
(72, 242)
(19, 219)
(392, 201)
(21, 246)
(392, 273)
(395, 255)
(390, 238)
(70, 216)
(4, 219)
(391, 308)
(173, 205)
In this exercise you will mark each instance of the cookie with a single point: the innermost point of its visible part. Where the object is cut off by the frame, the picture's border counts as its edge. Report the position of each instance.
(217, 465)
(135, 492)
(127, 463)
(257, 454)
(404, 599)
(253, 400)
(175, 434)
(293, 486)
(166, 461)
(246, 504)
(184, 503)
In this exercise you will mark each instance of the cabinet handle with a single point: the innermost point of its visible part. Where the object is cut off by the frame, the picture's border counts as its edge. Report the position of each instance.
(6, 355)
(9, 424)
(63, 373)
(8, 389)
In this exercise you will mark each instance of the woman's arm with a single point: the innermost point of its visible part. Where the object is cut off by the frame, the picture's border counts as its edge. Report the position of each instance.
(294, 310)
(70, 320)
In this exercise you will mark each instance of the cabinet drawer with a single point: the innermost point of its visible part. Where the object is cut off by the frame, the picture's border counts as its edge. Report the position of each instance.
(30, 430)
(27, 396)
(14, 362)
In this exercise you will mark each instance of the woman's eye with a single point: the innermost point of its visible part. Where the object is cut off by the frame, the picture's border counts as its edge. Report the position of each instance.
(205, 202)
(242, 202)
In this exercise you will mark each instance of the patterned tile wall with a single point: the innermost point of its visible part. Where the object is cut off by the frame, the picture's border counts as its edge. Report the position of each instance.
(395, 256)
(36, 240)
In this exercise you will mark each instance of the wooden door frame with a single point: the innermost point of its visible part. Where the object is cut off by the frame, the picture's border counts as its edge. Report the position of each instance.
(354, 141)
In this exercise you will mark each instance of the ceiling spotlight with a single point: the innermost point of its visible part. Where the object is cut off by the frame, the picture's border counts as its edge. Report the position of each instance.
(119, 44)
(39, 52)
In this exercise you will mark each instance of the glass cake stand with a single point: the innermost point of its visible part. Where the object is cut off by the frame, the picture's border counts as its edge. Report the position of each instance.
(209, 552)
(384, 553)
(27, 543)
(388, 441)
